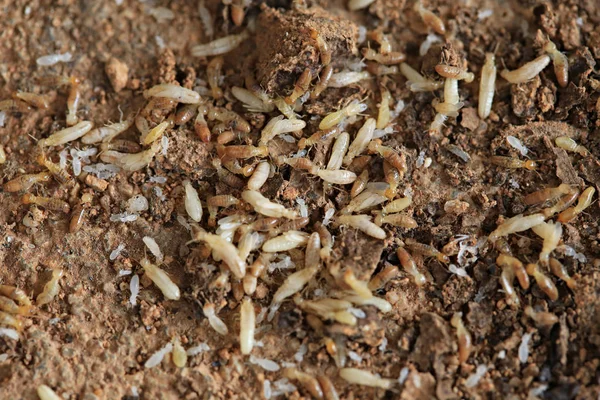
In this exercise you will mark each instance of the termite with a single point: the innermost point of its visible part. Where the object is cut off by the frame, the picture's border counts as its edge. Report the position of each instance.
(449, 71)
(323, 47)
(437, 123)
(426, 250)
(518, 270)
(77, 218)
(566, 143)
(319, 136)
(384, 115)
(362, 223)
(465, 341)
(10, 320)
(393, 177)
(9, 306)
(338, 151)
(301, 163)
(25, 182)
(551, 233)
(430, 19)
(256, 270)
(300, 87)
(541, 317)
(15, 293)
(583, 202)
(200, 125)
(388, 273)
(234, 166)
(223, 200)
(185, 114)
(559, 270)
(73, 101)
(227, 177)
(50, 289)
(516, 224)
(543, 281)
(506, 281)
(513, 163)
(329, 392)
(564, 202)
(237, 12)
(41, 101)
(49, 203)
(323, 82)
(360, 183)
(391, 58)
(547, 194)
(230, 118)
(67, 135)
(61, 175)
(247, 326)
(561, 63)
(377, 69)
(390, 155)
(487, 86)
(259, 176)
(528, 71)
(213, 72)
(121, 145)
(397, 205)
(244, 151)
(400, 220)
(410, 266)
(160, 278)
(326, 240)
(361, 140)
(309, 382)
(333, 119)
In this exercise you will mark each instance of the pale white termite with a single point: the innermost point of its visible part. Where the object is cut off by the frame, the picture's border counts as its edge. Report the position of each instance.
(354, 5)
(397, 205)
(161, 279)
(174, 92)
(158, 356)
(384, 115)
(153, 247)
(430, 19)
(215, 322)
(206, 19)
(451, 91)
(551, 233)
(331, 120)
(220, 46)
(67, 135)
(2, 155)
(179, 354)
(279, 125)
(45, 393)
(45, 61)
(106, 133)
(487, 86)
(193, 206)
(294, 283)
(251, 101)
(264, 206)
(259, 176)
(131, 162)
(338, 151)
(155, 133)
(338, 176)
(437, 123)
(286, 241)
(382, 304)
(516, 224)
(362, 223)
(528, 71)
(223, 249)
(566, 143)
(361, 377)
(347, 78)
(561, 63)
(50, 289)
(361, 141)
(247, 326)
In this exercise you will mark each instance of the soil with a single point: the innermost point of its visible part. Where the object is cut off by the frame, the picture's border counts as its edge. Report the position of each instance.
(91, 343)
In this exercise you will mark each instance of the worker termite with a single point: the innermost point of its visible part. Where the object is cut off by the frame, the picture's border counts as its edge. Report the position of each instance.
(155, 133)
(49, 203)
(385, 59)
(465, 341)
(73, 101)
(247, 326)
(309, 382)
(430, 19)
(121, 145)
(377, 69)
(318, 136)
(260, 176)
(223, 249)
(566, 143)
(390, 155)
(362, 223)
(61, 175)
(437, 123)
(300, 87)
(244, 151)
(25, 182)
(338, 151)
(506, 261)
(200, 125)
(388, 273)
(11, 320)
(338, 176)
(513, 163)
(323, 82)
(426, 250)
(185, 114)
(227, 177)
(10, 306)
(361, 141)
(449, 71)
(410, 266)
(518, 223)
(277, 126)
(41, 101)
(323, 47)
(487, 86)
(264, 206)
(223, 200)
(583, 202)
(541, 318)
(160, 278)
(287, 241)
(256, 269)
(354, 108)
(77, 218)
(559, 270)
(551, 233)
(543, 281)
(67, 135)
(360, 183)
(547, 194)
(361, 377)
(393, 178)
(384, 115)
(561, 63)
(50, 289)
(213, 72)
(173, 92)
(108, 132)
(506, 281)
(326, 240)
(565, 201)
(15, 293)
(528, 71)
(400, 220)
(397, 205)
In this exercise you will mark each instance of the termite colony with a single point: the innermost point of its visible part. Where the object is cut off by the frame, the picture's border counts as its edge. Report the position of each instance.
(249, 238)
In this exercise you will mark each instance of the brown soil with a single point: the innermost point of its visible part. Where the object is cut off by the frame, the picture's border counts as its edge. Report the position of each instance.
(90, 343)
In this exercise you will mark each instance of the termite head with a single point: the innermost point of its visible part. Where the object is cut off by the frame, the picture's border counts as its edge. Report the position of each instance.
(530, 165)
